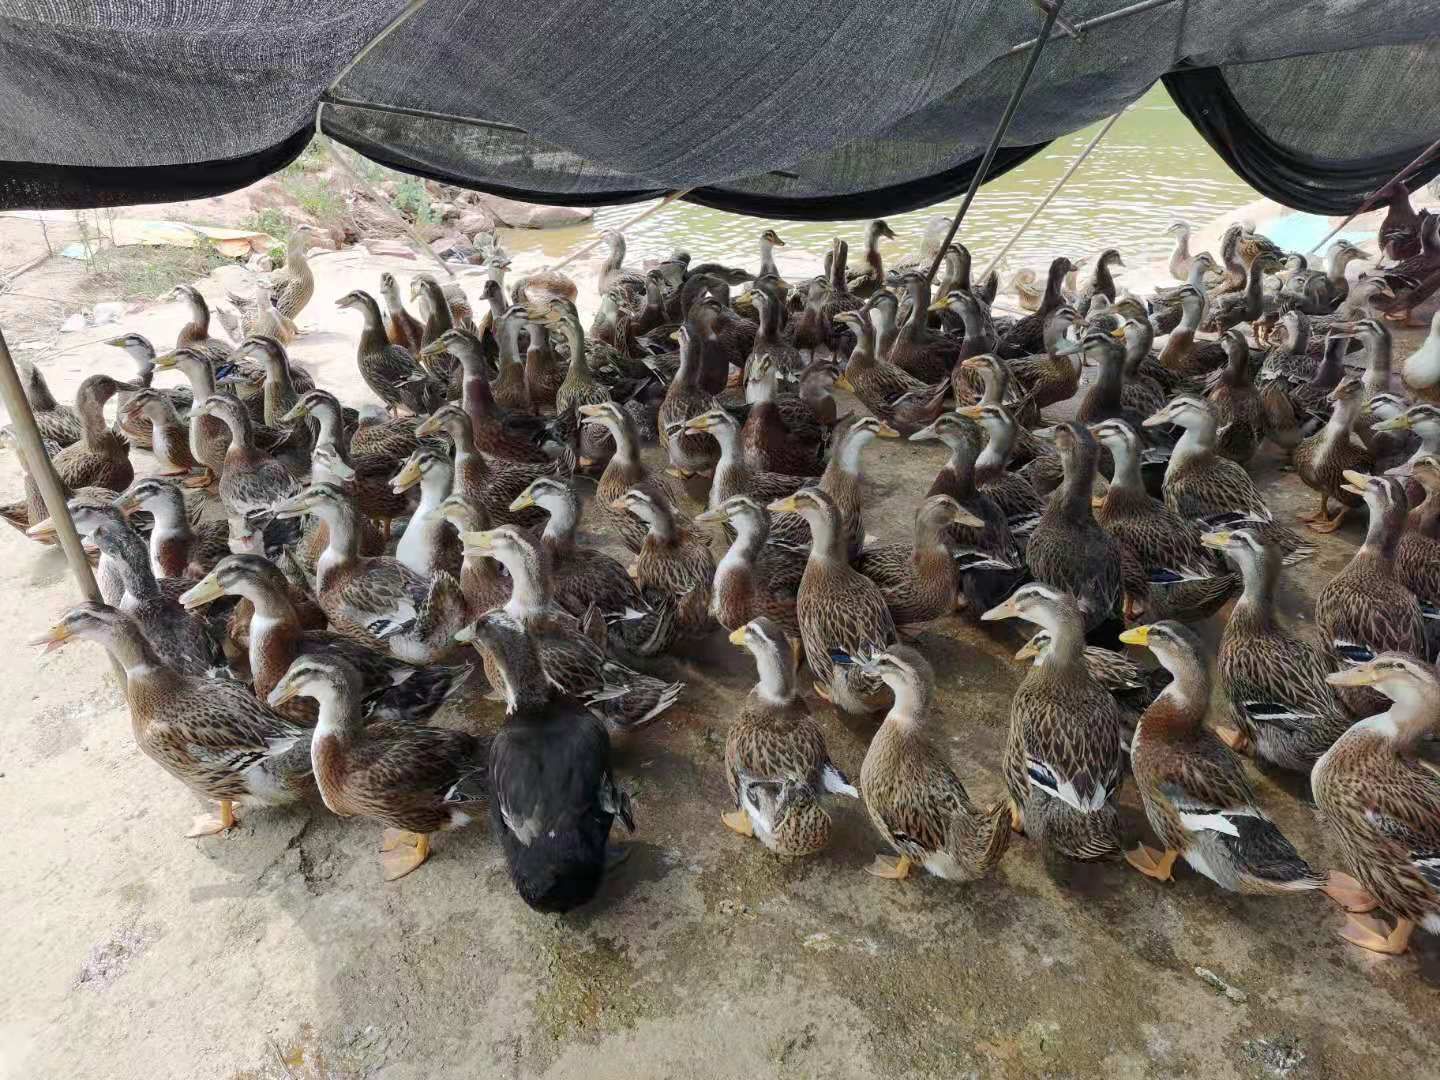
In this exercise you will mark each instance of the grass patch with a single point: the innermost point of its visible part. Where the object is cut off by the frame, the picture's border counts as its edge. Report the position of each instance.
(145, 273)
(413, 200)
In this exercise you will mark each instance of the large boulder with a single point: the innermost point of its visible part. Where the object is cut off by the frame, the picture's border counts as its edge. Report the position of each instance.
(523, 215)
(476, 219)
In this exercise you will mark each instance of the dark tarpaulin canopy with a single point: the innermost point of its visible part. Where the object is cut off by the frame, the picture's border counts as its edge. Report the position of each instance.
(781, 108)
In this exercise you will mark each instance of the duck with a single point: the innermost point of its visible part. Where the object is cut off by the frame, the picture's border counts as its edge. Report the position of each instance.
(1068, 549)
(553, 795)
(1180, 257)
(1063, 756)
(390, 690)
(1239, 411)
(415, 780)
(837, 607)
(1012, 491)
(88, 509)
(915, 801)
(181, 640)
(1183, 354)
(195, 334)
(614, 278)
(264, 317)
(769, 341)
(1212, 491)
(754, 579)
(58, 423)
(626, 469)
(209, 437)
(674, 561)
(101, 456)
(213, 735)
(178, 549)
(1180, 576)
(776, 761)
(863, 282)
(1132, 689)
(1196, 796)
(888, 391)
(1380, 801)
(644, 619)
(437, 316)
(733, 473)
(168, 437)
(1412, 281)
(391, 373)
(919, 579)
(689, 454)
(1274, 679)
(377, 597)
(428, 543)
(1417, 558)
(1053, 376)
(294, 284)
(1027, 336)
(767, 441)
(282, 383)
(987, 558)
(484, 583)
(1319, 292)
(1323, 459)
(1399, 232)
(1364, 610)
(401, 328)
(574, 661)
(251, 481)
(923, 353)
(492, 482)
(1101, 283)
(579, 386)
(500, 434)
(1421, 369)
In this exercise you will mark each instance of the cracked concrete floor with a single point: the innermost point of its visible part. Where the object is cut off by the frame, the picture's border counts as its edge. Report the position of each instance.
(276, 951)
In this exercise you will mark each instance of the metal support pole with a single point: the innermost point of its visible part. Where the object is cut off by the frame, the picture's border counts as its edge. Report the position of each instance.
(32, 445)
(1100, 20)
(1039, 208)
(1051, 14)
(1425, 155)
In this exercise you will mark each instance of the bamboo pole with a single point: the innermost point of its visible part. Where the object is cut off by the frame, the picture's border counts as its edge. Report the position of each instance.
(32, 445)
(593, 244)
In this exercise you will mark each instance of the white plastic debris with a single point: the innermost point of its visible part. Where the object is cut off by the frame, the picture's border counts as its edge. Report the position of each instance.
(74, 322)
(107, 311)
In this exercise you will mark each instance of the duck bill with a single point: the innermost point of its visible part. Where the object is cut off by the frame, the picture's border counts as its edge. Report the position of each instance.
(960, 516)
(737, 636)
(1006, 609)
(43, 530)
(203, 592)
(925, 434)
(478, 543)
(1355, 482)
(52, 639)
(788, 505)
(165, 361)
(1136, 635)
(465, 635)
(406, 478)
(1161, 417)
(127, 504)
(281, 694)
(1028, 651)
(296, 414)
(339, 469)
(1364, 675)
(1218, 540)
(1395, 423)
(523, 501)
(943, 304)
(843, 383)
(429, 426)
(710, 517)
(970, 412)
(885, 431)
(588, 412)
(291, 508)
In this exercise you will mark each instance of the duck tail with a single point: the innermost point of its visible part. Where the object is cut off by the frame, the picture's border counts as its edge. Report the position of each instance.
(417, 695)
(646, 631)
(836, 782)
(632, 700)
(1264, 857)
(996, 834)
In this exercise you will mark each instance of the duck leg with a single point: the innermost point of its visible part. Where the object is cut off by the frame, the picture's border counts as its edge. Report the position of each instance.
(1017, 819)
(211, 824)
(1320, 514)
(1152, 863)
(1371, 934)
(405, 852)
(1332, 524)
(739, 822)
(1349, 893)
(887, 866)
(823, 693)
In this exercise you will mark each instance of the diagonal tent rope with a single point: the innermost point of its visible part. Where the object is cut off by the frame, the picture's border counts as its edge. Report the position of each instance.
(1052, 13)
(1425, 155)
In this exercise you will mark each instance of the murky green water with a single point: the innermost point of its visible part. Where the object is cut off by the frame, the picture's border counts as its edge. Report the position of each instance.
(1151, 169)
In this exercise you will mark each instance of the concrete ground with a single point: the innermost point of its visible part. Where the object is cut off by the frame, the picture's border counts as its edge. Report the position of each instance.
(277, 952)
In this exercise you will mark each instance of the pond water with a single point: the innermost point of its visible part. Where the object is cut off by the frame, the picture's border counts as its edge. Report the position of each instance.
(1153, 168)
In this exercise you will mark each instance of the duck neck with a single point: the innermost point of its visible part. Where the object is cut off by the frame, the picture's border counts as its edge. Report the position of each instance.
(1181, 253)
(767, 258)
(615, 259)
(1126, 456)
(1192, 310)
(90, 406)
(344, 547)
(872, 253)
(1412, 713)
(529, 586)
(133, 560)
(338, 718)
(1054, 289)
(1382, 535)
(996, 452)
(1183, 703)
(775, 684)
(562, 525)
(1194, 442)
(919, 308)
(373, 338)
(1067, 640)
(1077, 486)
(961, 465)
(274, 635)
(1255, 610)
(575, 336)
(476, 396)
(826, 542)
(37, 391)
(907, 712)
(133, 652)
(1377, 365)
(242, 438)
